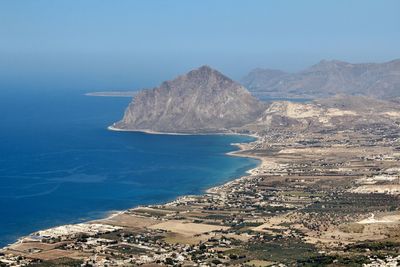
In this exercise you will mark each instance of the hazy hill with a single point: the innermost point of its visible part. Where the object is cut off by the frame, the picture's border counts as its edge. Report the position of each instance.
(203, 100)
(328, 78)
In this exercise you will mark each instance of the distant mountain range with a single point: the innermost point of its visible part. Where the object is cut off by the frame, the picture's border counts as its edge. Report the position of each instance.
(203, 100)
(328, 78)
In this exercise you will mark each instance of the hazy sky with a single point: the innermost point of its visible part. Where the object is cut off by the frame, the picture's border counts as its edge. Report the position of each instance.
(102, 45)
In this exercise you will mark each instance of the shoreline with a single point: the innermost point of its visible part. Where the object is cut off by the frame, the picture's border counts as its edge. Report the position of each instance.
(116, 129)
(129, 94)
(114, 213)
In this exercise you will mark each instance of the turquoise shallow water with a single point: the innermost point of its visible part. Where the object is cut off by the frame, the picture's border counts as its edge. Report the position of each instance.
(59, 164)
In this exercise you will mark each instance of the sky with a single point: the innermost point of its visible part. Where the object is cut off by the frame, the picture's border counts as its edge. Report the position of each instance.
(128, 45)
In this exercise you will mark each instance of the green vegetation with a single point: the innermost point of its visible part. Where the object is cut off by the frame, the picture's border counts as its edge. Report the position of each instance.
(287, 251)
(245, 226)
(126, 249)
(375, 246)
(63, 262)
(324, 260)
(350, 203)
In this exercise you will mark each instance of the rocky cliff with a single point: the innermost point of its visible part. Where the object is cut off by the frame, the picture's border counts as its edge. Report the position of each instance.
(203, 100)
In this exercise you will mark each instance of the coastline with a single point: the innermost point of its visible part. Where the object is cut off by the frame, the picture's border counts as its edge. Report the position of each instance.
(147, 131)
(115, 129)
(129, 94)
(113, 213)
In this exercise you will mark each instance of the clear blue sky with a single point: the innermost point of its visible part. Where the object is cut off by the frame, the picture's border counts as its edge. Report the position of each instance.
(102, 45)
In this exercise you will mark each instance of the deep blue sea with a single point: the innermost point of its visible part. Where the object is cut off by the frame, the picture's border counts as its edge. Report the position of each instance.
(59, 164)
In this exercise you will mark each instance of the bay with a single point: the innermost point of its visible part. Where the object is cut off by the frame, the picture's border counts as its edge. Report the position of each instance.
(59, 164)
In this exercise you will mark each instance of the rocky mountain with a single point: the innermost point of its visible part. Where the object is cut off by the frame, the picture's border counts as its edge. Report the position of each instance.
(328, 78)
(203, 100)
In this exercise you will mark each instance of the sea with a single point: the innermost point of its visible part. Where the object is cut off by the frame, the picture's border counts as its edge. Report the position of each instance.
(59, 164)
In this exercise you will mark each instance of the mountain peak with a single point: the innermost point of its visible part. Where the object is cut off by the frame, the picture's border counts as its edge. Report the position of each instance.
(327, 64)
(205, 68)
(205, 72)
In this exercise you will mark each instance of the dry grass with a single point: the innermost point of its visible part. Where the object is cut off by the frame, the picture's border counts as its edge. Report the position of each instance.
(130, 221)
(259, 263)
(187, 228)
(57, 254)
(25, 247)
